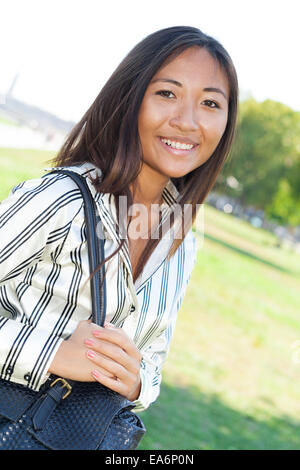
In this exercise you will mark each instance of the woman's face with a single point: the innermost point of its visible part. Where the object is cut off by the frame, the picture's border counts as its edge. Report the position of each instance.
(183, 113)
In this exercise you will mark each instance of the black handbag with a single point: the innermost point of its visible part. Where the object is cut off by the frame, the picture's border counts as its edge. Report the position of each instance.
(65, 414)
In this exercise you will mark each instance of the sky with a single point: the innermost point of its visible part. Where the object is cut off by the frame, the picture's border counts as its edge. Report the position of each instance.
(63, 51)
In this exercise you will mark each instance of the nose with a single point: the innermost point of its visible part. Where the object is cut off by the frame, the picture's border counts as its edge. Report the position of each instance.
(185, 118)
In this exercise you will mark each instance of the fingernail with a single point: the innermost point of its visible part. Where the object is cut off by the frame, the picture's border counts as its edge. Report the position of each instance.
(108, 325)
(89, 342)
(91, 354)
(95, 332)
(96, 374)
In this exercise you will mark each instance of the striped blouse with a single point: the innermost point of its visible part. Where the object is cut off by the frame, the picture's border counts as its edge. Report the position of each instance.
(44, 287)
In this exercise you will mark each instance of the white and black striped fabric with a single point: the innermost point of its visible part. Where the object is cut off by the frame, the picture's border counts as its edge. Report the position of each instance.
(44, 287)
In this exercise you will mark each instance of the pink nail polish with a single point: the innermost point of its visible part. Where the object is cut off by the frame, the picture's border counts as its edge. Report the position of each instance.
(96, 374)
(91, 354)
(96, 332)
(89, 342)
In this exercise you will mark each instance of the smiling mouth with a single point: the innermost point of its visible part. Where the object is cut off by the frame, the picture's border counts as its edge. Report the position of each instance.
(174, 144)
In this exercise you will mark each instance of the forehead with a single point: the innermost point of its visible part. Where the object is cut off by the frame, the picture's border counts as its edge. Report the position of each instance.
(194, 65)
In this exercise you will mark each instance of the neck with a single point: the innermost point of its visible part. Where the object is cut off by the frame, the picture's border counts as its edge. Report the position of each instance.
(148, 187)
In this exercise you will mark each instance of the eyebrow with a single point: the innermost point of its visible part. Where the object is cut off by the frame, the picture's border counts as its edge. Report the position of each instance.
(175, 82)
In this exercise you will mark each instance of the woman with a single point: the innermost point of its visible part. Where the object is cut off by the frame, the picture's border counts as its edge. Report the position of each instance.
(157, 134)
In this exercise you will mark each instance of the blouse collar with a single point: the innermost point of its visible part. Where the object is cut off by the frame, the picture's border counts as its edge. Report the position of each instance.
(108, 215)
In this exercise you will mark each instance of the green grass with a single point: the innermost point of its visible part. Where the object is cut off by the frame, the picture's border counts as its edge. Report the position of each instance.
(17, 165)
(230, 381)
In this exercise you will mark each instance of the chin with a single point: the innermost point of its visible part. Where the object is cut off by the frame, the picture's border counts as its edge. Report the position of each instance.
(176, 173)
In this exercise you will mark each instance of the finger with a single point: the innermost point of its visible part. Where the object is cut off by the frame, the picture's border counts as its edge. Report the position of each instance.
(114, 352)
(120, 338)
(115, 385)
(91, 355)
(111, 366)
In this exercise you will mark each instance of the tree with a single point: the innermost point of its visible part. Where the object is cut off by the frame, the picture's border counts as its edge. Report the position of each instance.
(265, 158)
(284, 207)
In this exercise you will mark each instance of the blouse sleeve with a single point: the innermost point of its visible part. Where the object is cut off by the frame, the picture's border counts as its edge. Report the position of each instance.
(156, 353)
(34, 220)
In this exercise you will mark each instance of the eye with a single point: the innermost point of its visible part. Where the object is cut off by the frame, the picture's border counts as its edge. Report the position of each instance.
(211, 103)
(165, 93)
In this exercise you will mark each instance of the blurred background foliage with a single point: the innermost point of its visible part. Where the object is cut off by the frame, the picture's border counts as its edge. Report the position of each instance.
(265, 160)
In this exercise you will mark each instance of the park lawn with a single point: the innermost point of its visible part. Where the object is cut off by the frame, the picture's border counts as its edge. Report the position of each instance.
(17, 165)
(232, 377)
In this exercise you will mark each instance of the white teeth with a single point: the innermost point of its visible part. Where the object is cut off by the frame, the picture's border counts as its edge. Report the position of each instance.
(177, 145)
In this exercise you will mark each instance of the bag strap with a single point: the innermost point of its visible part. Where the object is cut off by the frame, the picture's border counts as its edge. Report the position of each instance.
(59, 387)
(95, 241)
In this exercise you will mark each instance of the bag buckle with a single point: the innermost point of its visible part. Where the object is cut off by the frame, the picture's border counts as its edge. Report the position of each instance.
(64, 384)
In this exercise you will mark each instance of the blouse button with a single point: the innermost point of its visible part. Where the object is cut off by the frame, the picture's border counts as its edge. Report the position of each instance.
(132, 308)
(27, 376)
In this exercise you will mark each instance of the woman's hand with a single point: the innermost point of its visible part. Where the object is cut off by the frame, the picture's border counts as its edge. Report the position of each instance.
(70, 360)
(115, 364)
(116, 360)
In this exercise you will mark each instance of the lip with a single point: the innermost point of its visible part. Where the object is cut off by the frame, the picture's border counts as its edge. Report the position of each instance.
(173, 151)
(176, 138)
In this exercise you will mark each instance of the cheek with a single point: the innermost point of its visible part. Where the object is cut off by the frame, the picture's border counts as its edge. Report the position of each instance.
(151, 117)
(216, 130)
(144, 123)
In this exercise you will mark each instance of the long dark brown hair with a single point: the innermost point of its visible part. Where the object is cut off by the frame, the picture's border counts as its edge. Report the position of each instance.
(107, 135)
